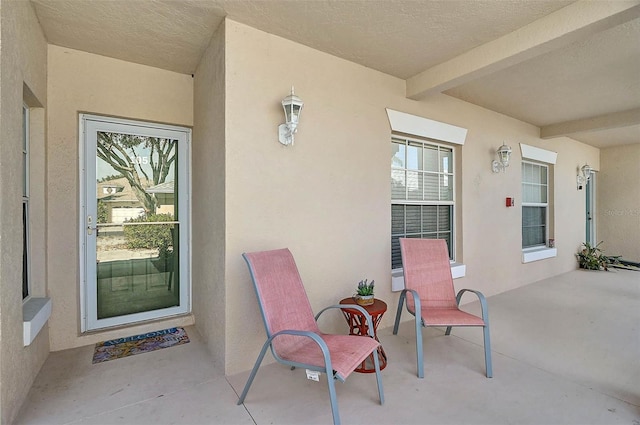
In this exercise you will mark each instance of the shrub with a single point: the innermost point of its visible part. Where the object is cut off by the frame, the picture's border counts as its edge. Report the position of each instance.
(103, 212)
(152, 236)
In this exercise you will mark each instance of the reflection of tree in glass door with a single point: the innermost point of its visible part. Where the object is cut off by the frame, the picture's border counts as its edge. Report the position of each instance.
(137, 221)
(143, 161)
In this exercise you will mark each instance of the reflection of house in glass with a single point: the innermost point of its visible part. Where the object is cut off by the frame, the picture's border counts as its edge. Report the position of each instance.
(164, 197)
(111, 189)
(120, 203)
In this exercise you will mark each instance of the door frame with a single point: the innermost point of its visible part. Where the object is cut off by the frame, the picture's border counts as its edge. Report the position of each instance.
(590, 204)
(93, 122)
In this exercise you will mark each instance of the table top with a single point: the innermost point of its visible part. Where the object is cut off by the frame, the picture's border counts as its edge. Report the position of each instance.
(378, 306)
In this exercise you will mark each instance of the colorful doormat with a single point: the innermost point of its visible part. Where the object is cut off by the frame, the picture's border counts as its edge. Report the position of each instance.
(128, 346)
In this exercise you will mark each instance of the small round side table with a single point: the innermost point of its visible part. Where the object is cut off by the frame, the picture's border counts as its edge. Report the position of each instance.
(358, 326)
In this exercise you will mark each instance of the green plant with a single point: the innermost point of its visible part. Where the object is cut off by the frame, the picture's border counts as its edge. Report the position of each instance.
(364, 288)
(103, 212)
(592, 258)
(152, 236)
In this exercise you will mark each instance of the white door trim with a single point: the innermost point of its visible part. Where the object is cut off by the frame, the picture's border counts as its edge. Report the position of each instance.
(590, 207)
(93, 123)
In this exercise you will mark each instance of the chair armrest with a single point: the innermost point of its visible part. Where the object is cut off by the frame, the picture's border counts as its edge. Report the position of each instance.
(308, 334)
(364, 312)
(314, 336)
(416, 302)
(481, 297)
(416, 297)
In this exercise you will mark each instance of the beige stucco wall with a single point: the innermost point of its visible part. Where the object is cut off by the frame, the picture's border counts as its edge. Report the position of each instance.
(83, 82)
(618, 201)
(327, 198)
(208, 217)
(23, 61)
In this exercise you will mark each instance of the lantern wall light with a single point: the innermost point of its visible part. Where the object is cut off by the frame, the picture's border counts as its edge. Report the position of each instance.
(504, 155)
(292, 106)
(583, 175)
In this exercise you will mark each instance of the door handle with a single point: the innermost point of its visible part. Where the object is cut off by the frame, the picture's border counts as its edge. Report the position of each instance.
(90, 228)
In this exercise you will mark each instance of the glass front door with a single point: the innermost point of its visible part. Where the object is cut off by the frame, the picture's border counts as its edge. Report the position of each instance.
(590, 226)
(135, 221)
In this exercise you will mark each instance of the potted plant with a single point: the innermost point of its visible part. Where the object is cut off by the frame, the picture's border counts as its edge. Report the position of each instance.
(364, 293)
(591, 258)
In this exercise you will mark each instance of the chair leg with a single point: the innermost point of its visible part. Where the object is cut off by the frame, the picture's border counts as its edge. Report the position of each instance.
(253, 372)
(399, 313)
(419, 353)
(333, 399)
(487, 351)
(448, 330)
(376, 364)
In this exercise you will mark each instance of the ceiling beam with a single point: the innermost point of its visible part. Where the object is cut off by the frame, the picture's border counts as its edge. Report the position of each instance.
(602, 122)
(558, 29)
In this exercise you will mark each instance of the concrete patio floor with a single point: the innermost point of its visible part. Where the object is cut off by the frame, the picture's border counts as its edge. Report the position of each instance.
(566, 350)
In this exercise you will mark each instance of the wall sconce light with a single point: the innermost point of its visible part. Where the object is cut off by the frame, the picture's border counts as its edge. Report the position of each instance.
(583, 176)
(292, 105)
(504, 155)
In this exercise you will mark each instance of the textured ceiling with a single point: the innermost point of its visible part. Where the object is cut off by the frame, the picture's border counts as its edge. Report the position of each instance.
(165, 34)
(591, 77)
(570, 81)
(400, 38)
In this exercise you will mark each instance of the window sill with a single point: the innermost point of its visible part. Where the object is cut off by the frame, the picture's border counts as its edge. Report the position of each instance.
(538, 254)
(35, 314)
(397, 277)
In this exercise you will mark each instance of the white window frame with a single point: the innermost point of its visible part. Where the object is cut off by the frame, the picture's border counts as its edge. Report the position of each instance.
(413, 125)
(36, 308)
(538, 204)
(538, 156)
(26, 249)
(440, 174)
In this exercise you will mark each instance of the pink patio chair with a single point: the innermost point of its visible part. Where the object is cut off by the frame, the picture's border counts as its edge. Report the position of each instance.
(292, 330)
(430, 295)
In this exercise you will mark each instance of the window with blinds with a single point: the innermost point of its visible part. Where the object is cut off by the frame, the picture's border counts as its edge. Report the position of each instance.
(422, 195)
(535, 192)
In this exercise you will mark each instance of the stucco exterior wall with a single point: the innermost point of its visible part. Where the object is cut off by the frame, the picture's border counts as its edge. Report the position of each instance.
(23, 62)
(82, 82)
(208, 218)
(327, 198)
(618, 201)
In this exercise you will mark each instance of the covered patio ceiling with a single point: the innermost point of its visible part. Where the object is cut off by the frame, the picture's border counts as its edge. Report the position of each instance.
(570, 68)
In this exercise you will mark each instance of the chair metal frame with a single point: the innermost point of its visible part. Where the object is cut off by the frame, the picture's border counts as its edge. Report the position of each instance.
(419, 321)
(331, 377)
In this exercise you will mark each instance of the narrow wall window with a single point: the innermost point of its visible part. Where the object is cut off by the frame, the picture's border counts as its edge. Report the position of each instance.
(422, 195)
(25, 202)
(535, 204)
